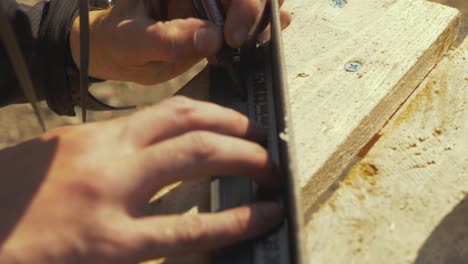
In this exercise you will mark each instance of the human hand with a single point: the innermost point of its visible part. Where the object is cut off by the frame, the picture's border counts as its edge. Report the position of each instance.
(90, 205)
(151, 41)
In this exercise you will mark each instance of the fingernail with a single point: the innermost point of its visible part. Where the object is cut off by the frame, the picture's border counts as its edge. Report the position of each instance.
(240, 36)
(207, 41)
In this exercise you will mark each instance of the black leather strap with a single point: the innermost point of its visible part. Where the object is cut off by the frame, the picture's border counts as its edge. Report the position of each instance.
(8, 37)
(92, 103)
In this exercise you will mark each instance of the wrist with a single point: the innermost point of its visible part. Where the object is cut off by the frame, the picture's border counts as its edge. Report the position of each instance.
(95, 44)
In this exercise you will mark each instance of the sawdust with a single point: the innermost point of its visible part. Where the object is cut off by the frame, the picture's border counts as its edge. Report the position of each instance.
(302, 75)
(368, 170)
(437, 132)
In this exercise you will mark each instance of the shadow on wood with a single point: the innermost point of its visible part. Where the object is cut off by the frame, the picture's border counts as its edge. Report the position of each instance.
(448, 243)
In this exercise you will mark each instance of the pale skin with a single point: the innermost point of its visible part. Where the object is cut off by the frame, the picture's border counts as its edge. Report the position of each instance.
(130, 45)
(79, 194)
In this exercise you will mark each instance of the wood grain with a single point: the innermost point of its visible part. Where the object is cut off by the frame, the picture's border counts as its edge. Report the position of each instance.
(461, 5)
(335, 112)
(407, 200)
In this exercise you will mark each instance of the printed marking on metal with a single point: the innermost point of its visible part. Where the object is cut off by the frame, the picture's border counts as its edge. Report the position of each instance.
(268, 250)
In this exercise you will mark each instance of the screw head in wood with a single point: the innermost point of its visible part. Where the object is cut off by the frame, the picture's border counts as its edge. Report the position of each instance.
(338, 3)
(353, 66)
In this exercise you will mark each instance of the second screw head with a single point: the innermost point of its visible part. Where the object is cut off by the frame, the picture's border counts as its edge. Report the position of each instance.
(353, 66)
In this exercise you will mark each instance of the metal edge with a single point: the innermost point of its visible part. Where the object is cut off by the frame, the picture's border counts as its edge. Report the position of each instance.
(286, 137)
(84, 55)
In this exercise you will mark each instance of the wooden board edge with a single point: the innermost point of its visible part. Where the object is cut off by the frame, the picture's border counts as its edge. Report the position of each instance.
(335, 166)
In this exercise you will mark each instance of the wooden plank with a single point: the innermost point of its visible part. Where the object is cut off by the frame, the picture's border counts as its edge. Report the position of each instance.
(407, 200)
(335, 112)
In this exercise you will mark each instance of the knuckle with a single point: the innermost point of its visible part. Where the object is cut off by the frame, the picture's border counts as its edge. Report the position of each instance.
(181, 105)
(168, 35)
(193, 230)
(86, 188)
(93, 182)
(202, 145)
(184, 108)
(82, 138)
(240, 220)
(104, 241)
(172, 38)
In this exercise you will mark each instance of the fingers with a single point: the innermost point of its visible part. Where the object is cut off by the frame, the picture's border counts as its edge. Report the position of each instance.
(195, 155)
(243, 20)
(178, 115)
(176, 235)
(242, 17)
(181, 40)
(265, 35)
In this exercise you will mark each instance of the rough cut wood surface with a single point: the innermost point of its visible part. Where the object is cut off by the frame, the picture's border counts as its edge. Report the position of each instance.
(335, 112)
(407, 200)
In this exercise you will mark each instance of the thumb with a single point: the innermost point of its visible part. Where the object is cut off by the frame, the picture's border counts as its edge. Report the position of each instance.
(181, 40)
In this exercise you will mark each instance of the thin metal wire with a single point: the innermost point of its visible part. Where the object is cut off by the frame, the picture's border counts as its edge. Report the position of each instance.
(286, 147)
(84, 55)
